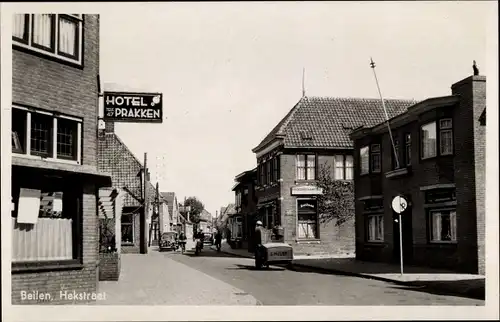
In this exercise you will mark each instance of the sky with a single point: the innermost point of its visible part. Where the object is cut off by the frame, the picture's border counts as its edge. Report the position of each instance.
(230, 71)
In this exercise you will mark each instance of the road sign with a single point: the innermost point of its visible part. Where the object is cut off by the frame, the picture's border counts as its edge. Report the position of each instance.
(399, 204)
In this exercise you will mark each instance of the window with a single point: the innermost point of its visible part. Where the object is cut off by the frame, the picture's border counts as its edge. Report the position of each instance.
(56, 35)
(349, 167)
(127, 227)
(277, 168)
(33, 135)
(307, 219)
(269, 217)
(364, 156)
(443, 226)
(46, 218)
(408, 149)
(428, 137)
(343, 167)
(395, 155)
(339, 167)
(268, 171)
(306, 167)
(375, 228)
(446, 137)
(375, 158)
(19, 131)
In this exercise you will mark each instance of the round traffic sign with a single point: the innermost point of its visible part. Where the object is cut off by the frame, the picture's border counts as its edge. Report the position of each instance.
(399, 204)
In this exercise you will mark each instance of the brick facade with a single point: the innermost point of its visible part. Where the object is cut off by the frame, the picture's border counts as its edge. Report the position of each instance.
(42, 83)
(461, 173)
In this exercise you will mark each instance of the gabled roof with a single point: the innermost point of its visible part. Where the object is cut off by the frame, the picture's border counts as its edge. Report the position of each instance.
(170, 198)
(325, 122)
(115, 157)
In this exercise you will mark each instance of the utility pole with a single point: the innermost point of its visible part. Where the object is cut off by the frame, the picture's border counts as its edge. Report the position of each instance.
(143, 244)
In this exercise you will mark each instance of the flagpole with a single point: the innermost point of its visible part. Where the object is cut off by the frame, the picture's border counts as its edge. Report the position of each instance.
(372, 65)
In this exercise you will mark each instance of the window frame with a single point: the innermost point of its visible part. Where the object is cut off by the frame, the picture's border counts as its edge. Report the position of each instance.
(306, 167)
(132, 216)
(367, 170)
(422, 156)
(52, 155)
(430, 213)
(375, 152)
(396, 154)
(344, 166)
(379, 215)
(317, 222)
(54, 52)
(445, 129)
(77, 225)
(408, 149)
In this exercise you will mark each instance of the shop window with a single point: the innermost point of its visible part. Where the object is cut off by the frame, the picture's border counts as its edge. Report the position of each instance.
(306, 167)
(428, 140)
(55, 35)
(127, 227)
(375, 228)
(45, 220)
(307, 219)
(276, 164)
(33, 135)
(443, 226)
(364, 155)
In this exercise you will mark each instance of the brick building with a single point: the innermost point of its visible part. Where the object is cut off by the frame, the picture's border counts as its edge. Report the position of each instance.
(440, 145)
(55, 180)
(314, 135)
(126, 172)
(246, 205)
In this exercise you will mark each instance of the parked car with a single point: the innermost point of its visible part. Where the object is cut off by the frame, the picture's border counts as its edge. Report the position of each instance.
(168, 241)
(209, 239)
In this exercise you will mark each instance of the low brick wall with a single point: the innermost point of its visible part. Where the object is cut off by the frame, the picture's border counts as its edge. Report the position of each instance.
(109, 266)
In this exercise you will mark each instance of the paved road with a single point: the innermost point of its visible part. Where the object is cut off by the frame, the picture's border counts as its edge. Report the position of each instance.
(300, 286)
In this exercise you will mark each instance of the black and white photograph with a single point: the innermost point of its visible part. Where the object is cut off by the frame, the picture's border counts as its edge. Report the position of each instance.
(249, 160)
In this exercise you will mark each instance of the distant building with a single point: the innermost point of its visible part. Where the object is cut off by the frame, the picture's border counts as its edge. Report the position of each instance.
(175, 222)
(245, 206)
(440, 146)
(312, 136)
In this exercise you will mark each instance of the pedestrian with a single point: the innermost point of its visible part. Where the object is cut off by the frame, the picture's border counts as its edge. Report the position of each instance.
(218, 239)
(258, 238)
(182, 241)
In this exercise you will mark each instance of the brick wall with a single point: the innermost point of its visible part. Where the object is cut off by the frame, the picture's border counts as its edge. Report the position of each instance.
(333, 239)
(42, 83)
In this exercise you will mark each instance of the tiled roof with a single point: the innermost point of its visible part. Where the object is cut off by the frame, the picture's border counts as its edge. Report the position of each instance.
(170, 197)
(116, 159)
(325, 122)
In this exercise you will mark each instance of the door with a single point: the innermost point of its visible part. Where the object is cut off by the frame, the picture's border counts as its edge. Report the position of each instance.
(406, 222)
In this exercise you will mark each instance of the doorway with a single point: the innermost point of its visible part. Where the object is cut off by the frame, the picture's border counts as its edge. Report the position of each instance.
(407, 228)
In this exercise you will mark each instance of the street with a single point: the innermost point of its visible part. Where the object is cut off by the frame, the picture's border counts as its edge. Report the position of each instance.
(301, 286)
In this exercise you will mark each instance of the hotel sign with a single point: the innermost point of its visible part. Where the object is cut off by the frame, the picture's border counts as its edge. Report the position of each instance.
(133, 107)
(307, 190)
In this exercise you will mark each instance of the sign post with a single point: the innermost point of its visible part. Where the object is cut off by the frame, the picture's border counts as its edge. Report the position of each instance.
(399, 204)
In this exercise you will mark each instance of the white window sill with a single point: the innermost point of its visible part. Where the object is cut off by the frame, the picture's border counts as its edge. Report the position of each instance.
(308, 241)
(443, 242)
(35, 157)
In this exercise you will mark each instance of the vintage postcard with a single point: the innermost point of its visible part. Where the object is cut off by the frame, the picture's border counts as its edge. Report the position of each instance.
(249, 160)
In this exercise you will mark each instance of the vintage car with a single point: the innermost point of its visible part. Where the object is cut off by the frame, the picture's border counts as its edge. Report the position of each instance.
(168, 241)
(274, 253)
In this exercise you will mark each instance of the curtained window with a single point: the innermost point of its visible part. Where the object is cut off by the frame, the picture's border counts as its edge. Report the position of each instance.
(443, 226)
(307, 219)
(375, 228)
(428, 137)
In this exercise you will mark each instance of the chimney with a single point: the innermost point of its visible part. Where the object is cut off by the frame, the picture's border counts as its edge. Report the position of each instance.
(472, 92)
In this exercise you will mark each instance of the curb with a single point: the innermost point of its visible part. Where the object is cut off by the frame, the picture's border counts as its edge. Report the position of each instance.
(471, 293)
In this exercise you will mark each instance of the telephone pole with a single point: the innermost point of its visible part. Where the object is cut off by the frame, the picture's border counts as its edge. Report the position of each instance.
(143, 244)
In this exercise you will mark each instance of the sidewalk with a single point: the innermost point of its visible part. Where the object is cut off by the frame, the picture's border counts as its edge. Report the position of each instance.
(434, 280)
(155, 279)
